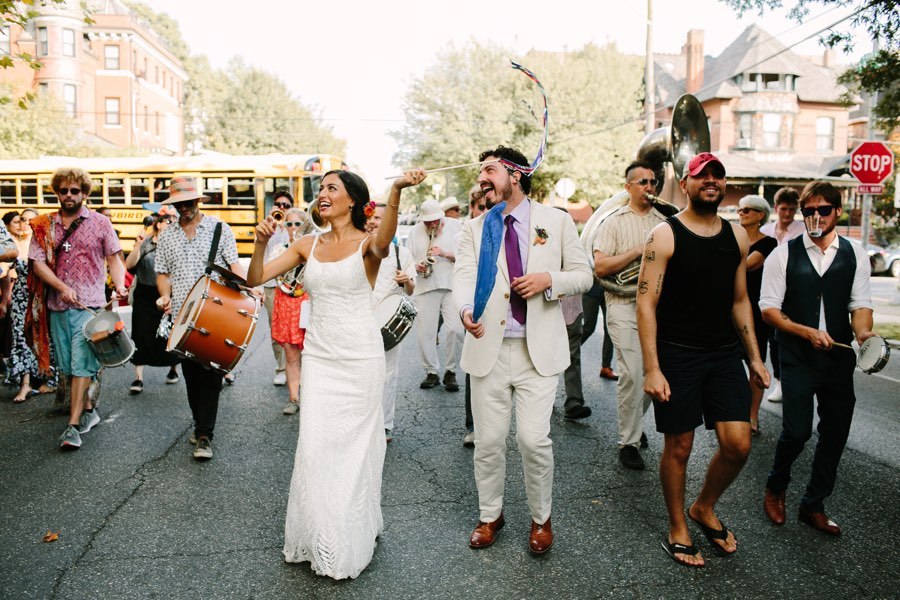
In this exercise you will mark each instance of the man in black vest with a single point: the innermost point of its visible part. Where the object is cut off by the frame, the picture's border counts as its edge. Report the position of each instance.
(809, 286)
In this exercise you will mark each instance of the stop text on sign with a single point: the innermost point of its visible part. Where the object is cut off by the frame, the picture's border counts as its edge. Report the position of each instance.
(880, 165)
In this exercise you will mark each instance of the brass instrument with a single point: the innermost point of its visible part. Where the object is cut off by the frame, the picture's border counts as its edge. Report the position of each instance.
(277, 215)
(319, 224)
(676, 144)
(291, 282)
(429, 259)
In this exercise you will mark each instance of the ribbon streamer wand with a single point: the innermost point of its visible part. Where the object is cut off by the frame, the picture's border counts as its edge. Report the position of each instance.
(474, 164)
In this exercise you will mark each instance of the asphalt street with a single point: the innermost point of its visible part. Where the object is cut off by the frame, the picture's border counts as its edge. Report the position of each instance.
(138, 518)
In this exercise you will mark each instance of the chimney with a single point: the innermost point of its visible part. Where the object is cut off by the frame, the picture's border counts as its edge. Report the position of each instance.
(693, 51)
(829, 58)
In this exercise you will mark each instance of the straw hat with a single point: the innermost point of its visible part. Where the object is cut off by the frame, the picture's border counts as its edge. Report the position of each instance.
(183, 189)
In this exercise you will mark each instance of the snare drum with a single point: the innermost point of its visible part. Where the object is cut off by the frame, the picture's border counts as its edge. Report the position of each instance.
(215, 325)
(108, 339)
(873, 355)
(397, 312)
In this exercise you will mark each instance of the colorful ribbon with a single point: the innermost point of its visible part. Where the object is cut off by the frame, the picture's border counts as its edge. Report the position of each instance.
(539, 157)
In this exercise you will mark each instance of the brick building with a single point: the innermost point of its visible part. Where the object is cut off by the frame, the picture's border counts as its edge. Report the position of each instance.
(775, 117)
(115, 75)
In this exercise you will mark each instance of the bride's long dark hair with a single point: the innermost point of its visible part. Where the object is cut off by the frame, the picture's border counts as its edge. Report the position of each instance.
(359, 194)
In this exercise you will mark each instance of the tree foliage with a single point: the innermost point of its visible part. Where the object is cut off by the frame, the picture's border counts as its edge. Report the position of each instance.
(879, 72)
(240, 109)
(471, 100)
(38, 126)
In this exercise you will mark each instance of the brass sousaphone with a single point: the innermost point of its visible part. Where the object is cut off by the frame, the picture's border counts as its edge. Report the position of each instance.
(687, 136)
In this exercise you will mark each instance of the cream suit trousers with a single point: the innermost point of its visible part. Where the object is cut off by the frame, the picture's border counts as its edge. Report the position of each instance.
(430, 306)
(391, 375)
(632, 402)
(513, 382)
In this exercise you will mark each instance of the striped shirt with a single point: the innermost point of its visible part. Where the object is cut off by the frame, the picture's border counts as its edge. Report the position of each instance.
(619, 233)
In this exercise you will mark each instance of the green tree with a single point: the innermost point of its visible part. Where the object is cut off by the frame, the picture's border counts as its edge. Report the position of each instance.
(471, 100)
(879, 72)
(36, 126)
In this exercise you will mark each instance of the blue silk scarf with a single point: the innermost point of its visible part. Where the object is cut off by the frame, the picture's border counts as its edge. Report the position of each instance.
(491, 236)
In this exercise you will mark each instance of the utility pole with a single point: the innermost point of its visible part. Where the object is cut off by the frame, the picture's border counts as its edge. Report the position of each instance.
(649, 75)
(865, 228)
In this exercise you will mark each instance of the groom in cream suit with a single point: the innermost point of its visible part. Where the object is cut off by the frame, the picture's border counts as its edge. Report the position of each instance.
(513, 265)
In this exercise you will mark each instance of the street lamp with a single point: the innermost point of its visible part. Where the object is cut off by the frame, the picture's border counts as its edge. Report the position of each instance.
(436, 190)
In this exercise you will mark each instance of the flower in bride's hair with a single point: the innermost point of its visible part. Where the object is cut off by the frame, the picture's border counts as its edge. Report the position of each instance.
(369, 209)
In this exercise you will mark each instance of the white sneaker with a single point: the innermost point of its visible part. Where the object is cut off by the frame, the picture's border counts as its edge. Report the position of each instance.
(88, 420)
(280, 379)
(775, 395)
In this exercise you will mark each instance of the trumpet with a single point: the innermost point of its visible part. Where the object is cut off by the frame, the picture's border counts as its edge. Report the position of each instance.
(277, 215)
(291, 282)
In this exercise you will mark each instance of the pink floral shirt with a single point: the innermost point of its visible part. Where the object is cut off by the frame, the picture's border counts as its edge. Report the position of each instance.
(81, 261)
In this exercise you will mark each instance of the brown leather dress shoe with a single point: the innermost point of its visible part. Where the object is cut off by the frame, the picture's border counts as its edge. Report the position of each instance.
(773, 502)
(819, 520)
(541, 538)
(607, 373)
(485, 533)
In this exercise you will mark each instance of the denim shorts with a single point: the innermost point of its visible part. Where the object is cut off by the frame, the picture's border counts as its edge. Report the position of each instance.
(707, 387)
(73, 353)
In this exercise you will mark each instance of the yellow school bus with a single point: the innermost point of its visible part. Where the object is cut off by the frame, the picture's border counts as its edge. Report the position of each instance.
(240, 188)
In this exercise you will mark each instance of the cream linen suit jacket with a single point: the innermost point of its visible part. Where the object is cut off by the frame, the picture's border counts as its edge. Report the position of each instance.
(570, 271)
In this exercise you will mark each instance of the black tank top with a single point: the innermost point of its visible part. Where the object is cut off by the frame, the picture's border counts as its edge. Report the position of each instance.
(697, 296)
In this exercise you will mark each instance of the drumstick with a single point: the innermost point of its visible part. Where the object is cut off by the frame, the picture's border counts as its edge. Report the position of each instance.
(474, 164)
(839, 345)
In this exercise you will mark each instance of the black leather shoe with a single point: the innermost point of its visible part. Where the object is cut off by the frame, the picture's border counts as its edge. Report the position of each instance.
(450, 381)
(631, 458)
(644, 442)
(431, 380)
(578, 412)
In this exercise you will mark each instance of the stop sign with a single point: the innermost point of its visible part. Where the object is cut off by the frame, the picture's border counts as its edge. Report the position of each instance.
(871, 162)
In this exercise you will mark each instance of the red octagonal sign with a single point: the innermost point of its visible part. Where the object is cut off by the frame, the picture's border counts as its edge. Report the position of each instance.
(871, 162)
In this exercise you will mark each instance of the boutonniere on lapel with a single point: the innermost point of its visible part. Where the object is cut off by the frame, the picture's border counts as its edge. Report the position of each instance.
(540, 236)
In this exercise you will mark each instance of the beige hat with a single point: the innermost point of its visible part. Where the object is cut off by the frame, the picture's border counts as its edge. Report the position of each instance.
(448, 203)
(183, 189)
(430, 211)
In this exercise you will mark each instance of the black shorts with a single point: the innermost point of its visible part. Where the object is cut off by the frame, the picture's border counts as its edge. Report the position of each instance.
(707, 386)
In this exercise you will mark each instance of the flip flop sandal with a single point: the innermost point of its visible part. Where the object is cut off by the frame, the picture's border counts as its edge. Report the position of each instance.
(22, 399)
(714, 534)
(672, 549)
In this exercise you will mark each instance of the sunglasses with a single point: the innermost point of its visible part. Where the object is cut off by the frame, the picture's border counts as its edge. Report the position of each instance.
(70, 191)
(652, 182)
(293, 223)
(481, 206)
(282, 205)
(823, 211)
(744, 211)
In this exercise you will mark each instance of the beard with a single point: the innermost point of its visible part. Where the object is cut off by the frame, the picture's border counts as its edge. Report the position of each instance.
(706, 207)
(76, 206)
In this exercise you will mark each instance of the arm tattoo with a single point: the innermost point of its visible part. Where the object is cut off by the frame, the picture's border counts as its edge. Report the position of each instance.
(650, 239)
(784, 316)
(643, 286)
(659, 284)
(650, 255)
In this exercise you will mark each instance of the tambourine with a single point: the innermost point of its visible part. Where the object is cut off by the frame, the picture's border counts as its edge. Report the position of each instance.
(872, 356)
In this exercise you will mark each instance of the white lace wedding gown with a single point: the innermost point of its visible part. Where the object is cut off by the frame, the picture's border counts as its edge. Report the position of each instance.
(334, 506)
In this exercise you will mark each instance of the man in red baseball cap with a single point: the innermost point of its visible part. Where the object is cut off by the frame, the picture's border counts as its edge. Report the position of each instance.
(693, 312)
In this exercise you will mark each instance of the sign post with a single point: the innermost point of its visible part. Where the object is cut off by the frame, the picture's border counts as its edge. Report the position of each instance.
(871, 163)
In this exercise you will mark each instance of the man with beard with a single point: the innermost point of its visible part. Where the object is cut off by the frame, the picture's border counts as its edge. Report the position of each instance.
(513, 266)
(70, 252)
(809, 286)
(431, 243)
(692, 312)
(181, 256)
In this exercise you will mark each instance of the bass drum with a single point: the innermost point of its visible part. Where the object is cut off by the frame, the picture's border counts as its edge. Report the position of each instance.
(397, 312)
(215, 325)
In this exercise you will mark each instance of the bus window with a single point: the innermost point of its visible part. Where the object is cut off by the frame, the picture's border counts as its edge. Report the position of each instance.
(29, 191)
(241, 192)
(213, 188)
(311, 187)
(7, 191)
(160, 189)
(115, 192)
(140, 190)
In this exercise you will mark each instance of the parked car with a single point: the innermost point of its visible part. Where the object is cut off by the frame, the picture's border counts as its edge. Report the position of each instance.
(878, 258)
(892, 259)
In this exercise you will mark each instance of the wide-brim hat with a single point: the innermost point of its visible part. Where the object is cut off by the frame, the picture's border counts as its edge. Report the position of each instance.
(183, 189)
(448, 203)
(430, 211)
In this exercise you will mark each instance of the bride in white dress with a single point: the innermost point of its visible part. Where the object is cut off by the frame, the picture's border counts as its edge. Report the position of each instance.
(334, 505)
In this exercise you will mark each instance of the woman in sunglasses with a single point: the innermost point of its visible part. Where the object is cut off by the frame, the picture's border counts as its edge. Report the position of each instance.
(290, 299)
(754, 212)
(150, 349)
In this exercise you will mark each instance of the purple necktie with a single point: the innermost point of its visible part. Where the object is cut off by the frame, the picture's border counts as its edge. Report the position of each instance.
(514, 266)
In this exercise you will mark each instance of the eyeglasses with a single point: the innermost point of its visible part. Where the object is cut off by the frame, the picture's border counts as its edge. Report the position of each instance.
(70, 191)
(744, 211)
(652, 182)
(282, 205)
(823, 211)
(168, 220)
(481, 206)
(293, 223)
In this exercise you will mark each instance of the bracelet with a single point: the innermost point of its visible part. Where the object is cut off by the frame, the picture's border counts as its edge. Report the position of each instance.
(397, 206)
